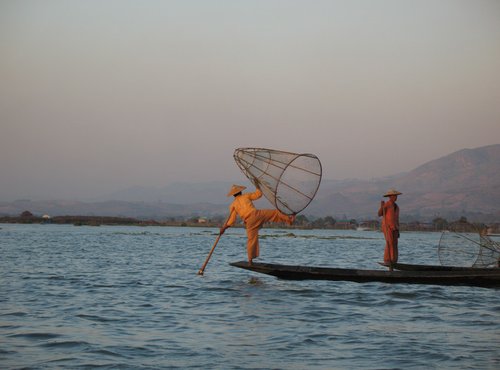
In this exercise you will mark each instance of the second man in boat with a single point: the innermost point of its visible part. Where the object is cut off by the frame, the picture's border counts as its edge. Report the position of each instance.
(389, 211)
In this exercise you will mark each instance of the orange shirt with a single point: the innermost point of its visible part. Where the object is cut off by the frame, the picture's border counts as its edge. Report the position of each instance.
(242, 206)
(391, 215)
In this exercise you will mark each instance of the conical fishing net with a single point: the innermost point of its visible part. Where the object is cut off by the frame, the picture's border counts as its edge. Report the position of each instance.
(489, 253)
(288, 180)
(458, 249)
(465, 246)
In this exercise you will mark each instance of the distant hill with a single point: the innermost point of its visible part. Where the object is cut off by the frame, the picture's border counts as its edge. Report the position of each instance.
(464, 183)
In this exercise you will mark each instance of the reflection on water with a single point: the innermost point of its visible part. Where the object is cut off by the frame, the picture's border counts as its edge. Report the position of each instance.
(129, 297)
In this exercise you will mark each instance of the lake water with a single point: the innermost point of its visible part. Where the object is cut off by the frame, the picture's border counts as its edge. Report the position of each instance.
(130, 298)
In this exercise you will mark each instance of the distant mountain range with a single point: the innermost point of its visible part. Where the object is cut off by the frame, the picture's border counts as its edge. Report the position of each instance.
(464, 183)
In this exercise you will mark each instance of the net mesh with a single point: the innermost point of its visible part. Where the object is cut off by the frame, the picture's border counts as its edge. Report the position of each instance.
(489, 253)
(466, 246)
(288, 180)
(458, 249)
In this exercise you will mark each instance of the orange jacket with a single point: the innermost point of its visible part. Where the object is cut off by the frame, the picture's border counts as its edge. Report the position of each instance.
(242, 206)
(390, 211)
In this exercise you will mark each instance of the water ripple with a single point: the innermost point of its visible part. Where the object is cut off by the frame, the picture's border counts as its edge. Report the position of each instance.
(130, 298)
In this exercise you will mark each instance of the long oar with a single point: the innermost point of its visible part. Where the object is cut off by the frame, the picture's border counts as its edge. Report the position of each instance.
(211, 250)
(209, 255)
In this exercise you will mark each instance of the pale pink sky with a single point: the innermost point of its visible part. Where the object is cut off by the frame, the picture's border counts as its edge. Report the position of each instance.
(98, 96)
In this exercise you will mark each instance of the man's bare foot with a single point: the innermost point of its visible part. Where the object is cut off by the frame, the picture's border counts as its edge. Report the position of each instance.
(250, 262)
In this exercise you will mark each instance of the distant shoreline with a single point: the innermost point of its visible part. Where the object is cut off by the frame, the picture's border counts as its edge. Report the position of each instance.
(196, 222)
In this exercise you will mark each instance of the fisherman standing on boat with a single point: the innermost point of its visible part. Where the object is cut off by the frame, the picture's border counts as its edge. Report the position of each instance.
(243, 207)
(389, 211)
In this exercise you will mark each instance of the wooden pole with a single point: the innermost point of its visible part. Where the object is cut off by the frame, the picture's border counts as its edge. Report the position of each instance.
(200, 272)
(209, 255)
(390, 266)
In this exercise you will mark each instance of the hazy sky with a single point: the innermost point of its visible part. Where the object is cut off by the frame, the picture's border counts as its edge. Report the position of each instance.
(97, 96)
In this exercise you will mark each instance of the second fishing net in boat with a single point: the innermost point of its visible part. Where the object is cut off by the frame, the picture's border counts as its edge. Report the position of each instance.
(465, 245)
(288, 180)
(489, 253)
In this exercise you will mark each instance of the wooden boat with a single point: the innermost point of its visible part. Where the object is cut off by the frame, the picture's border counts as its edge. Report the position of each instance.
(484, 277)
(410, 267)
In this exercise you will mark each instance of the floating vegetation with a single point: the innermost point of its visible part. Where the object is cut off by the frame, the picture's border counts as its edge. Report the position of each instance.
(255, 281)
(138, 233)
(328, 237)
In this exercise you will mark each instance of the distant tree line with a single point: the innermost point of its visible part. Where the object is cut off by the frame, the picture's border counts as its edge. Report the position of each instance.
(302, 221)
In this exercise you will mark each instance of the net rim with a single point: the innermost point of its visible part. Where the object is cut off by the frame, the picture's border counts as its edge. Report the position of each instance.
(287, 164)
(317, 186)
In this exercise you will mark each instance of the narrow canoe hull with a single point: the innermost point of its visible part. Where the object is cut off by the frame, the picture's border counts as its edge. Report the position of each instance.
(411, 267)
(490, 278)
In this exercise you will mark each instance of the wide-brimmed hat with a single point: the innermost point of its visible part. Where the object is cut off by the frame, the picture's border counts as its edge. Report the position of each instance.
(392, 192)
(235, 189)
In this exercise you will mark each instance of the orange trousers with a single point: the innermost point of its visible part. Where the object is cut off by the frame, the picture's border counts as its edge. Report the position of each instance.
(391, 246)
(254, 222)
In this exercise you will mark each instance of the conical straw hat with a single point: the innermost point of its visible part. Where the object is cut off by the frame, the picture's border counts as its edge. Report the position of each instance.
(235, 189)
(392, 192)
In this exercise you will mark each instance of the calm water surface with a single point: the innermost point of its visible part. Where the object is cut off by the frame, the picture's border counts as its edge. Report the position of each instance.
(129, 298)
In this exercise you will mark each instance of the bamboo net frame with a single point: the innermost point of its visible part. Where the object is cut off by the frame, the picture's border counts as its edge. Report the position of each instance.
(288, 180)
